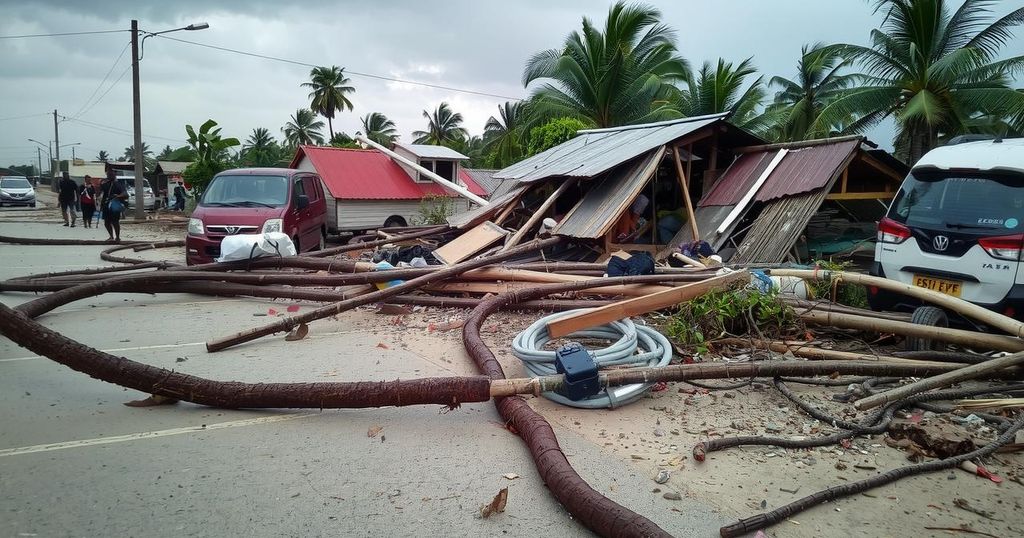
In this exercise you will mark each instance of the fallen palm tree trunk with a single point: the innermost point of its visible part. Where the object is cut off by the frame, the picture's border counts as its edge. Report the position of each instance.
(289, 323)
(41, 241)
(828, 306)
(801, 349)
(943, 380)
(108, 254)
(960, 306)
(971, 339)
(380, 242)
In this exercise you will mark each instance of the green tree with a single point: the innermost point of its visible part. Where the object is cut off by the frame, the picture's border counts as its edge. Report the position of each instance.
(505, 135)
(103, 156)
(935, 70)
(800, 100)
(618, 76)
(343, 140)
(147, 155)
(378, 128)
(553, 133)
(261, 149)
(720, 88)
(444, 127)
(165, 153)
(329, 92)
(303, 129)
(211, 151)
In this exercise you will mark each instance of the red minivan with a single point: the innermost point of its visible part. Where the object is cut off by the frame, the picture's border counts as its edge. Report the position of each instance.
(257, 200)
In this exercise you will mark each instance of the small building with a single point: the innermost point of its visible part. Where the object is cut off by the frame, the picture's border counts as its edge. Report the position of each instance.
(367, 189)
(168, 172)
(79, 170)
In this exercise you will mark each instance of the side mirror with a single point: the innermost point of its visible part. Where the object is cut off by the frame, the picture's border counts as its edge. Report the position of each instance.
(302, 201)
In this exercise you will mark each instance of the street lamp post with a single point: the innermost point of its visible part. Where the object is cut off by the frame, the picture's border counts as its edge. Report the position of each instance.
(49, 155)
(140, 210)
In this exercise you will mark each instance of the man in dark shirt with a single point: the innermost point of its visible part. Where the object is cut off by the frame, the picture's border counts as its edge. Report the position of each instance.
(66, 197)
(111, 190)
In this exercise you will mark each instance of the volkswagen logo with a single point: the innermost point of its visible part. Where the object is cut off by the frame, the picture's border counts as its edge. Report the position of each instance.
(231, 230)
(940, 243)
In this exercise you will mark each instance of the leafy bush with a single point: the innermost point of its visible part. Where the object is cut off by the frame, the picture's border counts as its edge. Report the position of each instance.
(553, 133)
(435, 209)
(744, 312)
(848, 294)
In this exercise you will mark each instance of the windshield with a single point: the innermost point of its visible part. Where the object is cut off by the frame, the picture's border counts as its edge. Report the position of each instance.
(14, 183)
(956, 201)
(246, 191)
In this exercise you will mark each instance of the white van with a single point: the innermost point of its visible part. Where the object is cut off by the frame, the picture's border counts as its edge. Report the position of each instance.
(957, 227)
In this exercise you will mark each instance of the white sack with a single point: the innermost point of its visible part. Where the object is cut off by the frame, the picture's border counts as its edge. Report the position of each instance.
(246, 246)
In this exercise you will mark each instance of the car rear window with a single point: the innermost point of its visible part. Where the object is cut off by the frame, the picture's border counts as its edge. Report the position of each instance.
(968, 203)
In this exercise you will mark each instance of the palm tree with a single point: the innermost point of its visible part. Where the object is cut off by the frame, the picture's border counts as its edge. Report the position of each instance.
(129, 152)
(717, 89)
(303, 129)
(103, 156)
(504, 138)
(379, 128)
(617, 76)
(260, 149)
(329, 92)
(935, 71)
(801, 100)
(444, 127)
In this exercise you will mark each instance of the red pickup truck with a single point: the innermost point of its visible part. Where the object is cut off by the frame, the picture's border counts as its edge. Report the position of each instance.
(257, 200)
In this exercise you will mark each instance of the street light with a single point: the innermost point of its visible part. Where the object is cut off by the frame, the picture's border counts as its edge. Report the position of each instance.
(49, 156)
(140, 210)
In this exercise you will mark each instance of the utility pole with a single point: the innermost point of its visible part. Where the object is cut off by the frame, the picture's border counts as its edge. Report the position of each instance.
(140, 211)
(39, 162)
(56, 137)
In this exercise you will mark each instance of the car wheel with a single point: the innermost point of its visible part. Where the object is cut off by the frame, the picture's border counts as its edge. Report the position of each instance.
(323, 241)
(932, 317)
(393, 222)
(295, 241)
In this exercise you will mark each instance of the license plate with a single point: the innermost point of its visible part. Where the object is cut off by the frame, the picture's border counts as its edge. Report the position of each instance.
(949, 287)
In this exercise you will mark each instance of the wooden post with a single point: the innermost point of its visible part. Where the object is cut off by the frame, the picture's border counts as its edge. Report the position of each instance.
(686, 194)
(538, 215)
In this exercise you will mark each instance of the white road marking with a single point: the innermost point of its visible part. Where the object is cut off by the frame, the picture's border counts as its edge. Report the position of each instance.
(149, 435)
(164, 346)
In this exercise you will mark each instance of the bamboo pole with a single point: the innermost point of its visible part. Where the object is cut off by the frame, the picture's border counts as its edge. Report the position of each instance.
(288, 323)
(943, 334)
(979, 313)
(537, 215)
(686, 193)
(939, 381)
(800, 349)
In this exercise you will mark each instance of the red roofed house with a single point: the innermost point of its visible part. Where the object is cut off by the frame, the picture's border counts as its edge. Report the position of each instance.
(367, 189)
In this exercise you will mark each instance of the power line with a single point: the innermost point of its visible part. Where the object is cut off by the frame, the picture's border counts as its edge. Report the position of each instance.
(118, 130)
(62, 34)
(100, 98)
(357, 73)
(26, 116)
(82, 109)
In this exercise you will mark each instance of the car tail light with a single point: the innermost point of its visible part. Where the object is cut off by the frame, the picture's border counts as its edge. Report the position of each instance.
(1006, 247)
(1009, 312)
(890, 231)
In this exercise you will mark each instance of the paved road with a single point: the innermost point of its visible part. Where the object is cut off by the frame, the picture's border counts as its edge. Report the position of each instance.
(75, 462)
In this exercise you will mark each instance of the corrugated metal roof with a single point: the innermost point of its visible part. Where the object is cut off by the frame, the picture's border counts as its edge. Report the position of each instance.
(428, 151)
(801, 170)
(468, 219)
(600, 207)
(172, 167)
(484, 178)
(362, 174)
(778, 227)
(596, 151)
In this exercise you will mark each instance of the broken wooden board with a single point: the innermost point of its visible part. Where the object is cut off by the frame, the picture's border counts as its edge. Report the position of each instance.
(640, 305)
(462, 247)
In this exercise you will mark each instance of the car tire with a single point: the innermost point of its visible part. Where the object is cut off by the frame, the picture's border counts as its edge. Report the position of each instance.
(323, 241)
(393, 222)
(932, 317)
(295, 241)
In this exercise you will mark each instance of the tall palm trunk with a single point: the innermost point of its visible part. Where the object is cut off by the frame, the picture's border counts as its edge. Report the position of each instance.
(330, 127)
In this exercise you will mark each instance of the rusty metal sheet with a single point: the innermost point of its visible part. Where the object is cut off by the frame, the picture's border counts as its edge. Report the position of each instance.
(807, 169)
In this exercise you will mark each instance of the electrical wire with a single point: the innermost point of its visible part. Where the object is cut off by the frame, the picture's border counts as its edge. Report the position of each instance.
(100, 98)
(26, 116)
(82, 110)
(348, 71)
(118, 130)
(635, 346)
(61, 34)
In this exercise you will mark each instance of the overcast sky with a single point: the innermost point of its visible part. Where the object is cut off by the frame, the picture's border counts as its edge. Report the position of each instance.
(473, 45)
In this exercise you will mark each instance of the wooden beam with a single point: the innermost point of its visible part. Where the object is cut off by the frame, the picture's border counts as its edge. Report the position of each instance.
(476, 239)
(713, 158)
(686, 194)
(505, 287)
(878, 165)
(509, 208)
(640, 305)
(538, 215)
(846, 177)
(860, 196)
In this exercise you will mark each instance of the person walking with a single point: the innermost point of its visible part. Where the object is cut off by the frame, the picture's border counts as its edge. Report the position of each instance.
(87, 199)
(66, 197)
(179, 197)
(112, 204)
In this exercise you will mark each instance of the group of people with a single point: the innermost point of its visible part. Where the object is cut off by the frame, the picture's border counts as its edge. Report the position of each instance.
(111, 196)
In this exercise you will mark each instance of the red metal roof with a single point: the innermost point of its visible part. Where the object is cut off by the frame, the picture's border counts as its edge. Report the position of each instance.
(368, 174)
(801, 170)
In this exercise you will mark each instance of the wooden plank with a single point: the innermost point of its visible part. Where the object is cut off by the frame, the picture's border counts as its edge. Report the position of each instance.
(469, 243)
(860, 196)
(538, 214)
(683, 179)
(505, 287)
(640, 305)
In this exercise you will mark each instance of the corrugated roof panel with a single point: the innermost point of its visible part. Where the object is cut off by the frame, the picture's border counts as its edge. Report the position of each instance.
(806, 169)
(484, 178)
(611, 194)
(778, 227)
(737, 179)
(594, 152)
(362, 174)
(428, 151)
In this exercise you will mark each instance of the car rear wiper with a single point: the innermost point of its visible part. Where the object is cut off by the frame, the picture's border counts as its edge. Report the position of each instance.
(970, 227)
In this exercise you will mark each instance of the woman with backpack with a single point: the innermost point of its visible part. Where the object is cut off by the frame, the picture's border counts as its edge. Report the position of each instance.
(87, 199)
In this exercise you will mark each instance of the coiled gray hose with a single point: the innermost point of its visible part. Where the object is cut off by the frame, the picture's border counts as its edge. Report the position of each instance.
(633, 346)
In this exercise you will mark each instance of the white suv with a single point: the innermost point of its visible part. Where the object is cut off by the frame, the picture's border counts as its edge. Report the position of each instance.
(957, 227)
